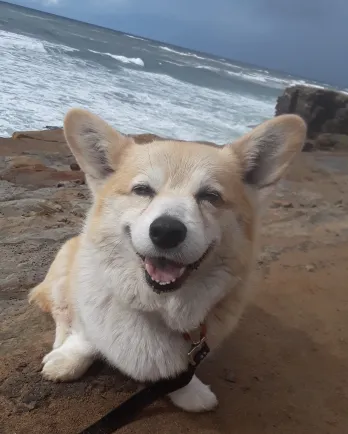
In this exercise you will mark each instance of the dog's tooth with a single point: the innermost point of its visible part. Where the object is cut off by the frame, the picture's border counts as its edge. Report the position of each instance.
(182, 271)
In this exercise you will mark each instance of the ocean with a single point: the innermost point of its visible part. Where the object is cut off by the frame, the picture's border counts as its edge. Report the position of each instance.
(49, 64)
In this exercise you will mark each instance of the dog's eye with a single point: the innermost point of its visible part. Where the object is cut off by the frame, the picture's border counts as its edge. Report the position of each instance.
(212, 196)
(143, 190)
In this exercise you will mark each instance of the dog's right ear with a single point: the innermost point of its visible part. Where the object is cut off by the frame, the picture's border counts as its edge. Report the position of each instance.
(95, 144)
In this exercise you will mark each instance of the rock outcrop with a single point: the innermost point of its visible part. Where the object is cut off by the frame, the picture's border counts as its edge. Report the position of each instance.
(325, 111)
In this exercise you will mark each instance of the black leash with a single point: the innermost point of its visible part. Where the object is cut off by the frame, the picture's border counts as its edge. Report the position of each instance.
(129, 409)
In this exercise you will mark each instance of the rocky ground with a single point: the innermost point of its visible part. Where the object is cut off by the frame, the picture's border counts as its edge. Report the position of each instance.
(284, 371)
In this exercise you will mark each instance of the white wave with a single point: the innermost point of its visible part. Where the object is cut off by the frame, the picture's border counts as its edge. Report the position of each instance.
(262, 77)
(208, 68)
(305, 83)
(194, 65)
(123, 59)
(222, 62)
(37, 17)
(181, 53)
(132, 100)
(135, 37)
(85, 37)
(190, 65)
(59, 48)
(14, 41)
(281, 83)
(265, 78)
(248, 76)
(175, 63)
(69, 49)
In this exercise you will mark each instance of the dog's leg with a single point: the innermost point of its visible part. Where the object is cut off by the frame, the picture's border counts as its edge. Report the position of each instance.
(70, 360)
(195, 397)
(62, 330)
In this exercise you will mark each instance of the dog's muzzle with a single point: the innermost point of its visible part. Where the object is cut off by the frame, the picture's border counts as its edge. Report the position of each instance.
(165, 275)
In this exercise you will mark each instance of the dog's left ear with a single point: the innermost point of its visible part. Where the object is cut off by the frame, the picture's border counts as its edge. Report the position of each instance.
(96, 146)
(267, 151)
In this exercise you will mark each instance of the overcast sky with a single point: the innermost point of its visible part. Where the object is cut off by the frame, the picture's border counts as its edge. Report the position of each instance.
(304, 37)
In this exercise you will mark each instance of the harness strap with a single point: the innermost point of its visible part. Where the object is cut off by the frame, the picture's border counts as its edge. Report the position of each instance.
(128, 410)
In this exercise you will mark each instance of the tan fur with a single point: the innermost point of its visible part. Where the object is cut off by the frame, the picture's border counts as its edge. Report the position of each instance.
(60, 269)
(41, 295)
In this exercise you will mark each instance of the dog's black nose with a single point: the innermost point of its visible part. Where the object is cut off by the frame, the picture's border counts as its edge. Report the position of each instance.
(167, 232)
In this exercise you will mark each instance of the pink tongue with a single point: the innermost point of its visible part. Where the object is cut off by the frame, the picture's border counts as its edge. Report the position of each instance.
(165, 274)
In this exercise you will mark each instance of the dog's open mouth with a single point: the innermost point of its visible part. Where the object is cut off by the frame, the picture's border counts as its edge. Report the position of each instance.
(165, 275)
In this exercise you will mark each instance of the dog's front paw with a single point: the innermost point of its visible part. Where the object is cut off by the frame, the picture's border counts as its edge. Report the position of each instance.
(195, 397)
(68, 362)
(60, 366)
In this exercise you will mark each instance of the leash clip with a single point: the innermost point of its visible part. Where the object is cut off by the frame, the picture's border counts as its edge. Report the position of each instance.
(199, 348)
(198, 352)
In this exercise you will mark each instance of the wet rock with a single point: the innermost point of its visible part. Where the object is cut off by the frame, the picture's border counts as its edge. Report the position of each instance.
(308, 146)
(144, 138)
(50, 135)
(52, 127)
(27, 162)
(33, 173)
(281, 204)
(29, 207)
(74, 167)
(328, 141)
(324, 110)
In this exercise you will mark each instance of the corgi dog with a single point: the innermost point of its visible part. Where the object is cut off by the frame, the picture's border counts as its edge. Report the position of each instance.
(168, 244)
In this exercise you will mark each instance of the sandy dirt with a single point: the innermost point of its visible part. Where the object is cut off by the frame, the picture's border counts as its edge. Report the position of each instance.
(284, 370)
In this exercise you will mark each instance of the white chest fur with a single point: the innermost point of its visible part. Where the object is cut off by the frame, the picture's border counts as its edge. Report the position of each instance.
(136, 342)
(136, 330)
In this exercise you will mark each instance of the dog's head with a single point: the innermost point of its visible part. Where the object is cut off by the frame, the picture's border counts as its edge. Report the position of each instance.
(170, 214)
